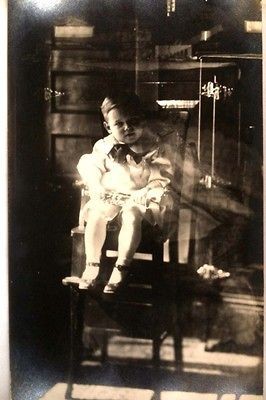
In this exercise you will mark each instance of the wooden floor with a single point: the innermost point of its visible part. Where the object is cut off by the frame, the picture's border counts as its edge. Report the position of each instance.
(129, 376)
(87, 392)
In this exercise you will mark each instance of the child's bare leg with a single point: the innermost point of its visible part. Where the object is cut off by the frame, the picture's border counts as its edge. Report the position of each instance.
(95, 234)
(128, 242)
(129, 235)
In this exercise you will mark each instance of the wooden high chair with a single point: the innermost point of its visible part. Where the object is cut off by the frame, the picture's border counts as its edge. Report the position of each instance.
(147, 308)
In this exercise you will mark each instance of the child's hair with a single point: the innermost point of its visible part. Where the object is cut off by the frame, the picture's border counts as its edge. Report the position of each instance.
(129, 102)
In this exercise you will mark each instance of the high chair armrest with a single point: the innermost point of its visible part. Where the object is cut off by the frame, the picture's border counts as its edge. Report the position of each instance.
(81, 185)
(77, 230)
(78, 183)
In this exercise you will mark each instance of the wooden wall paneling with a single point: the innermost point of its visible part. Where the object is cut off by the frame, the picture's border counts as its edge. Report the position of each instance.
(76, 124)
(65, 153)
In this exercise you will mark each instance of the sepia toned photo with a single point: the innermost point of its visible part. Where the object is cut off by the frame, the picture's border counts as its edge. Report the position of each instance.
(135, 145)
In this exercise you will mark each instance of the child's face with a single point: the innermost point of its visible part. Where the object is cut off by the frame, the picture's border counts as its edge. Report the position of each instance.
(125, 126)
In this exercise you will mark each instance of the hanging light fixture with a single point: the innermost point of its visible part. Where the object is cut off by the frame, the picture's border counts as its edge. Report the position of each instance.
(170, 7)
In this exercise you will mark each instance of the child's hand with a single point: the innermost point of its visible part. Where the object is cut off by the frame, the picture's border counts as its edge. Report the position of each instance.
(146, 195)
(140, 196)
(97, 193)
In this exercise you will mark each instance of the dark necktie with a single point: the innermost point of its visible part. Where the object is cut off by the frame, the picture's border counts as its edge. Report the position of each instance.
(121, 150)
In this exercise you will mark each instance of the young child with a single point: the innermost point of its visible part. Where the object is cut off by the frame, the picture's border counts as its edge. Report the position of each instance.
(132, 161)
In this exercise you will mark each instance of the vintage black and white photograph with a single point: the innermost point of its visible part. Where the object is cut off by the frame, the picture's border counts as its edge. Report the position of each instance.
(135, 145)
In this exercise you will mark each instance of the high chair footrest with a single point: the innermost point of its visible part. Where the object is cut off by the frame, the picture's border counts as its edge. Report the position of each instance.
(71, 279)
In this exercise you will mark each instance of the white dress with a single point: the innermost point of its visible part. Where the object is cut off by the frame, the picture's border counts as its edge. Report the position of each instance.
(155, 170)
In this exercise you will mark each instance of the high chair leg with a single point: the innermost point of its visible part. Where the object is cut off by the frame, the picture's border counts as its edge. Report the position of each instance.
(76, 345)
(156, 344)
(104, 349)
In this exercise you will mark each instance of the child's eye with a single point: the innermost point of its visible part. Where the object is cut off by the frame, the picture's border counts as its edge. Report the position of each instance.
(119, 124)
(135, 121)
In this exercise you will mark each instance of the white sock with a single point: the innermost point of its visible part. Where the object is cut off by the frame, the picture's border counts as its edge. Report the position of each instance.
(117, 276)
(91, 271)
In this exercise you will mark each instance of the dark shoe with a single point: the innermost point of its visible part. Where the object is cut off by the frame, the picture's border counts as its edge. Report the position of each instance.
(112, 288)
